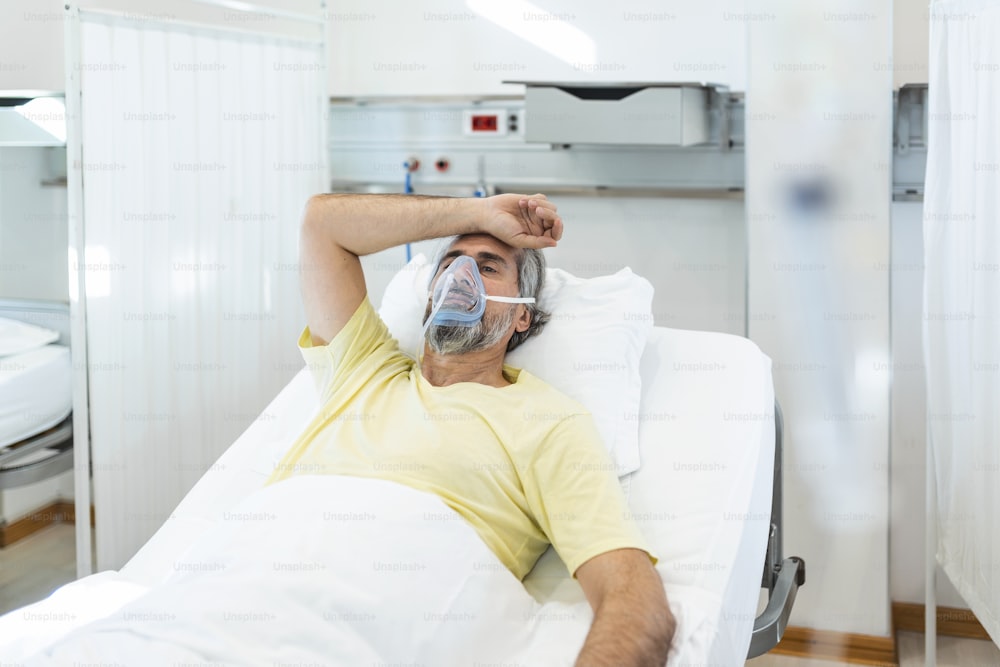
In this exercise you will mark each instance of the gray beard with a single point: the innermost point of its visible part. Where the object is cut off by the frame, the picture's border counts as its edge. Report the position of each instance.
(489, 331)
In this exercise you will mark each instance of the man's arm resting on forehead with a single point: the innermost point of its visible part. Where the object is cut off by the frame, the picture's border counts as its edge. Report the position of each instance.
(633, 625)
(338, 229)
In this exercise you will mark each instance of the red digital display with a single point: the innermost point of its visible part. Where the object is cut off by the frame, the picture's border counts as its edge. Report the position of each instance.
(484, 123)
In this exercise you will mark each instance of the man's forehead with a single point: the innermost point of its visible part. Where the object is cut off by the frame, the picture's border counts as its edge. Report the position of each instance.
(472, 244)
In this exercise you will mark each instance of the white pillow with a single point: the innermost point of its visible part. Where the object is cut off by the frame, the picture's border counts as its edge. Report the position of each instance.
(17, 337)
(589, 350)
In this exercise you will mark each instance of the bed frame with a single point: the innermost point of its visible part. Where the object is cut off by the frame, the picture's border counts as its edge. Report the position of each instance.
(782, 576)
(51, 315)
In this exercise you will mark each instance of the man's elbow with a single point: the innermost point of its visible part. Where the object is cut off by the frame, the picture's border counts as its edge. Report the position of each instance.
(312, 214)
(318, 236)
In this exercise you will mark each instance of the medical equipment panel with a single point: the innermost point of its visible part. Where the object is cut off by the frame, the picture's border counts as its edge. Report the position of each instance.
(658, 114)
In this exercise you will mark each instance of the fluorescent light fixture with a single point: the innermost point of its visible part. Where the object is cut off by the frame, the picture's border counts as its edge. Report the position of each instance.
(540, 28)
(48, 113)
(32, 118)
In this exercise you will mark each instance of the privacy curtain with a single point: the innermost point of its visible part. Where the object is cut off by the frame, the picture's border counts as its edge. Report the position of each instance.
(200, 148)
(962, 297)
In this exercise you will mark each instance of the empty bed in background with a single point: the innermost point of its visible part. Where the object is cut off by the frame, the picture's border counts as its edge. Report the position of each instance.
(36, 393)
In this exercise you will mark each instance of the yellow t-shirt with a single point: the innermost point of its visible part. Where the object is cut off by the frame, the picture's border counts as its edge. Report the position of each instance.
(523, 463)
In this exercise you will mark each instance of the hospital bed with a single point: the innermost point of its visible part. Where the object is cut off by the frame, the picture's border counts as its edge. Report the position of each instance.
(36, 427)
(707, 496)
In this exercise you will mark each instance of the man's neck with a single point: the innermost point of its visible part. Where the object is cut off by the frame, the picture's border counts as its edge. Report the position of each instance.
(482, 366)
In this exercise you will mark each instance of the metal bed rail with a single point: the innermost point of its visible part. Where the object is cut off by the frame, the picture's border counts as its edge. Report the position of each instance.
(58, 438)
(782, 576)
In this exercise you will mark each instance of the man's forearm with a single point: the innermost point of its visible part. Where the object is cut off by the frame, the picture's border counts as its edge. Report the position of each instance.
(365, 224)
(630, 629)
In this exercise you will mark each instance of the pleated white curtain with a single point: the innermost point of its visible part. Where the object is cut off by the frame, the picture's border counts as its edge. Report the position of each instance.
(962, 297)
(200, 148)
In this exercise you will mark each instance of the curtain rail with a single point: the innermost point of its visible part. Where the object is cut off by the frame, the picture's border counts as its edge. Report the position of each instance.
(112, 17)
(250, 8)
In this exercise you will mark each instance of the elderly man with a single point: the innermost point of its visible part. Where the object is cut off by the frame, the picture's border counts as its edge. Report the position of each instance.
(522, 484)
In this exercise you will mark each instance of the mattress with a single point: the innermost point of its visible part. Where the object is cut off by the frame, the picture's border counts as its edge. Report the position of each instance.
(702, 497)
(36, 392)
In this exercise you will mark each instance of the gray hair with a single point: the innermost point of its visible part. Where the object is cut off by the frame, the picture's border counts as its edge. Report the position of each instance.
(530, 281)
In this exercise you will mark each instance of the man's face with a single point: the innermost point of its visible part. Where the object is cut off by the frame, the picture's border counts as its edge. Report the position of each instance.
(497, 263)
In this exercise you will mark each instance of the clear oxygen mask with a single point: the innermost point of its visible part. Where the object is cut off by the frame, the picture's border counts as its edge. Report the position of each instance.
(459, 297)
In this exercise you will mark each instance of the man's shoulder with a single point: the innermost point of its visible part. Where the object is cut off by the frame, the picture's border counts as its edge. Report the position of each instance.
(362, 351)
(368, 325)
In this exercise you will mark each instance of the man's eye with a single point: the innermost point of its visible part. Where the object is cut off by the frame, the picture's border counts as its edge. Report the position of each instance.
(488, 268)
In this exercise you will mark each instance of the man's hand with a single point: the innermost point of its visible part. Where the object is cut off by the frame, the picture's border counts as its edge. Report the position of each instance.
(633, 625)
(522, 221)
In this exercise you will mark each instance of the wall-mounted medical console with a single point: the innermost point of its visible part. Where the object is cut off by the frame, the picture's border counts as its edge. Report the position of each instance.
(649, 139)
(632, 139)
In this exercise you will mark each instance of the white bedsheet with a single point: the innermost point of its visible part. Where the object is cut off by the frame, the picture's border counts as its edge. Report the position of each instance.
(36, 392)
(335, 571)
(702, 497)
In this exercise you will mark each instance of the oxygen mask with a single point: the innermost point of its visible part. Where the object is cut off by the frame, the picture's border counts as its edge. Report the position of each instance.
(459, 297)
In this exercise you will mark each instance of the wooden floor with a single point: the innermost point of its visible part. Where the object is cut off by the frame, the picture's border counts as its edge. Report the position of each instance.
(951, 652)
(32, 568)
(37, 565)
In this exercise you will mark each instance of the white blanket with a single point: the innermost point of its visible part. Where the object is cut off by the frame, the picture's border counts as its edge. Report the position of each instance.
(325, 570)
(333, 571)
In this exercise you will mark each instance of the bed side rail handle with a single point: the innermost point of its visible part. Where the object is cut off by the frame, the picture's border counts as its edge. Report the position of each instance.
(60, 438)
(769, 627)
(58, 435)
(29, 473)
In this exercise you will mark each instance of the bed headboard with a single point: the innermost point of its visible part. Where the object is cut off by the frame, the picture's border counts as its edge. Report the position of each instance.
(49, 314)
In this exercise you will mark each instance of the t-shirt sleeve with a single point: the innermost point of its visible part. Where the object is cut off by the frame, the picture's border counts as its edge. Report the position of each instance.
(572, 490)
(352, 355)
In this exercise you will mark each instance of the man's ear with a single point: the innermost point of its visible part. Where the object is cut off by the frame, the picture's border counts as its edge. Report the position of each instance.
(523, 320)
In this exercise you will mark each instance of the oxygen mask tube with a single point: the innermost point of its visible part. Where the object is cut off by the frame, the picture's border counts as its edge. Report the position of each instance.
(448, 281)
(435, 307)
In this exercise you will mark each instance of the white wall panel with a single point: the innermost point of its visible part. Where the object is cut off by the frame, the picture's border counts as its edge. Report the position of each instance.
(33, 228)
(910, 35)
(449, 47)
(21, 501)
